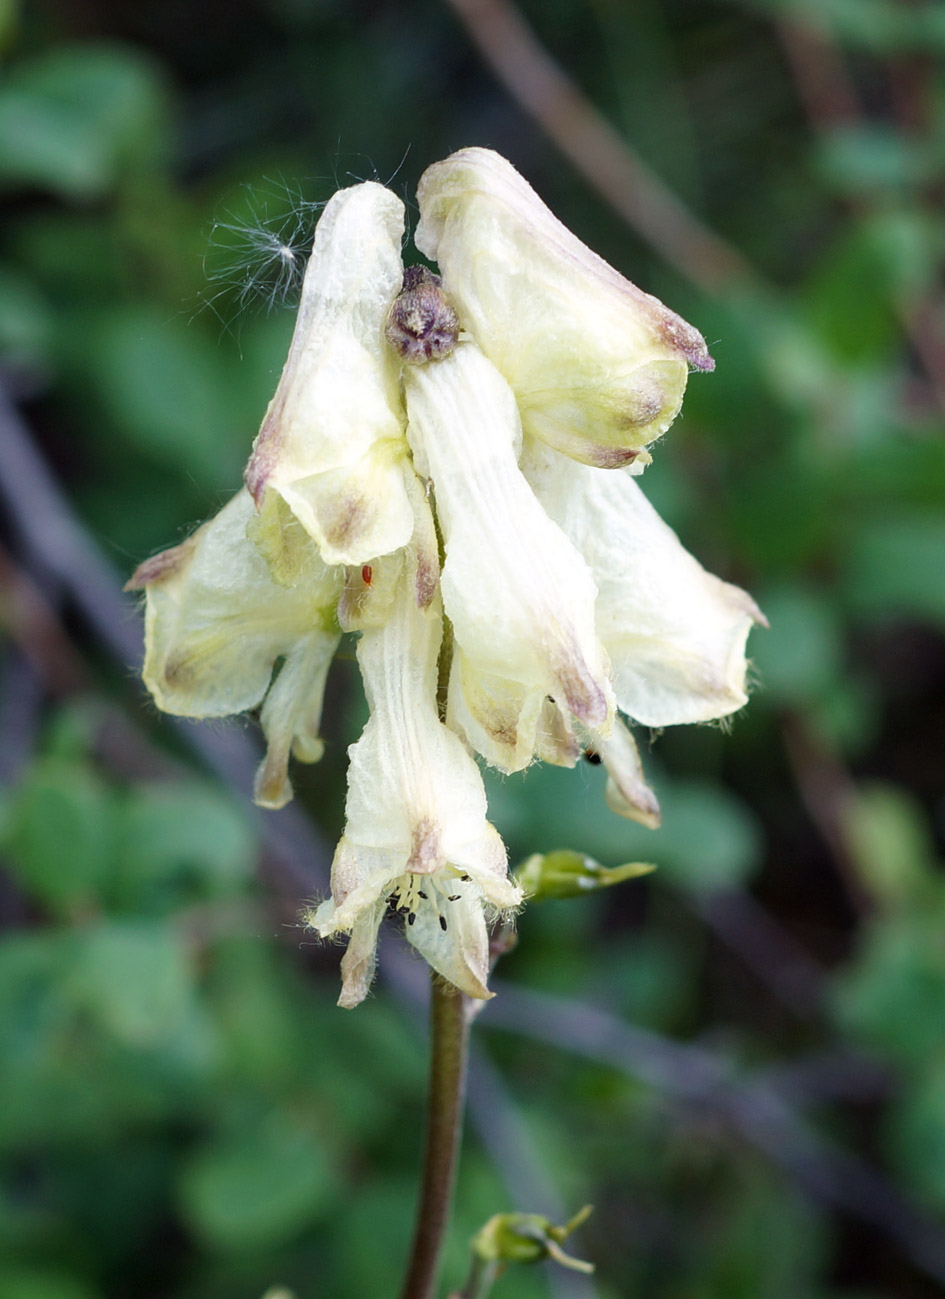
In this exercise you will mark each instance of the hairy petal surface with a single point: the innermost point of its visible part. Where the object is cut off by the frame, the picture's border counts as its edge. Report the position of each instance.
(331, 444)
(519, 596)
(216, 623)
(598, 366)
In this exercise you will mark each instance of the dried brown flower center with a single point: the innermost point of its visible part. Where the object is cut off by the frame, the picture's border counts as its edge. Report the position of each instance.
(422, 325)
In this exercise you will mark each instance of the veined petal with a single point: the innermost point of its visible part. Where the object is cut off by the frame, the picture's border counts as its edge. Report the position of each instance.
(416, 832)
(331, 443)
(519, 596)
(216, 621)
(598, 367)
(675, 634)
(370, 589)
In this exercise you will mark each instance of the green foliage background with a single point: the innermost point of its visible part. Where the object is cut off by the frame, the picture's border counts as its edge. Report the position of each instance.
(183, 1111)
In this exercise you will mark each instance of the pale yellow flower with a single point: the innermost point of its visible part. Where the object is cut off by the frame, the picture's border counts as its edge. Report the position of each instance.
(597, 366)
(416, 836)
(517, 593)
(216, 624)
(331, 447)
(562, 598)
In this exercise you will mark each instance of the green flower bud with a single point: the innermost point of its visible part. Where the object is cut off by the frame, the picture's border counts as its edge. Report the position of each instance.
(529, 1238)
(566, 874)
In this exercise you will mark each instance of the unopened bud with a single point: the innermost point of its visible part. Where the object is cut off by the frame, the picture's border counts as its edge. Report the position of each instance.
(528, 1238)
(566, 874)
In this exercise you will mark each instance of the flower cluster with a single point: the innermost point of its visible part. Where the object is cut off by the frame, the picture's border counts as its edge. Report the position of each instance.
(447, 468)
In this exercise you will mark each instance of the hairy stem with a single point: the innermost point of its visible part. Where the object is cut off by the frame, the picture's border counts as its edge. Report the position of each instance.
(449, 1035)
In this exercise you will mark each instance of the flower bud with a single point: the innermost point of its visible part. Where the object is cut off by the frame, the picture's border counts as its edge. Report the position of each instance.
(566, 874)
(528, 1238)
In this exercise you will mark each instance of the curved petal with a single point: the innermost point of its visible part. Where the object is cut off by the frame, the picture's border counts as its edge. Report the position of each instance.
(360, 958)
(675, 634)
(331, 443)
(460, 952)
(416, 833)
(518, 595)
(627, 792)
(217, 621)
(598, 367)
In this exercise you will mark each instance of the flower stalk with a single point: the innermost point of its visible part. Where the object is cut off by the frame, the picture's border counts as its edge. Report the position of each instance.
(449, 1044)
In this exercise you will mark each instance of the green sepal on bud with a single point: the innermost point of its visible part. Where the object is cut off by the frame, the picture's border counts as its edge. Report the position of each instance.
(528, 1238)
(567, 874)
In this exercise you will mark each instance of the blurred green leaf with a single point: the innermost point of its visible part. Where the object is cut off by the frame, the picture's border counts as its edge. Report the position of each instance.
(29, 1283)
(134, 978)
(891, 996)
(180, 844)
(891, 843)
(894, 566)
(848, 299)
(869, 159)
(25, 322)
(166, 388)
(917, 1134)
(61, 835)
(73, 117)
(802, 654)
(257, 1187)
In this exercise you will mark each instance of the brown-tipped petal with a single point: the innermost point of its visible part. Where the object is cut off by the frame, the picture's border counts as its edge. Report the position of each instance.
(518, 595)
(627, 793)
(598, 366)
(675, 634)
(217, 621)
(331, 443)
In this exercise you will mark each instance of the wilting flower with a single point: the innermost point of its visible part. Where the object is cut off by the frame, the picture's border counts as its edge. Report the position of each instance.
(331, 448)
(510, 396)
(518, 595)
(598, 367)
(416, 839)
(217, 623)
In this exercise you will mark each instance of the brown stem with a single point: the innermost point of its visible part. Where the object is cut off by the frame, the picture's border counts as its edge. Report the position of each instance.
(449, 1038)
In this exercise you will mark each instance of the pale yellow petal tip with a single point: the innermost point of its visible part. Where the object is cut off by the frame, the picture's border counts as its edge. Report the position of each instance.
(643, 807)
(351, 996)
(271, 788)
(469, 983)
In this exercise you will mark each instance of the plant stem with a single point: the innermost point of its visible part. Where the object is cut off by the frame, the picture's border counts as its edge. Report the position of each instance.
(449, 1034)
(483, 1274)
